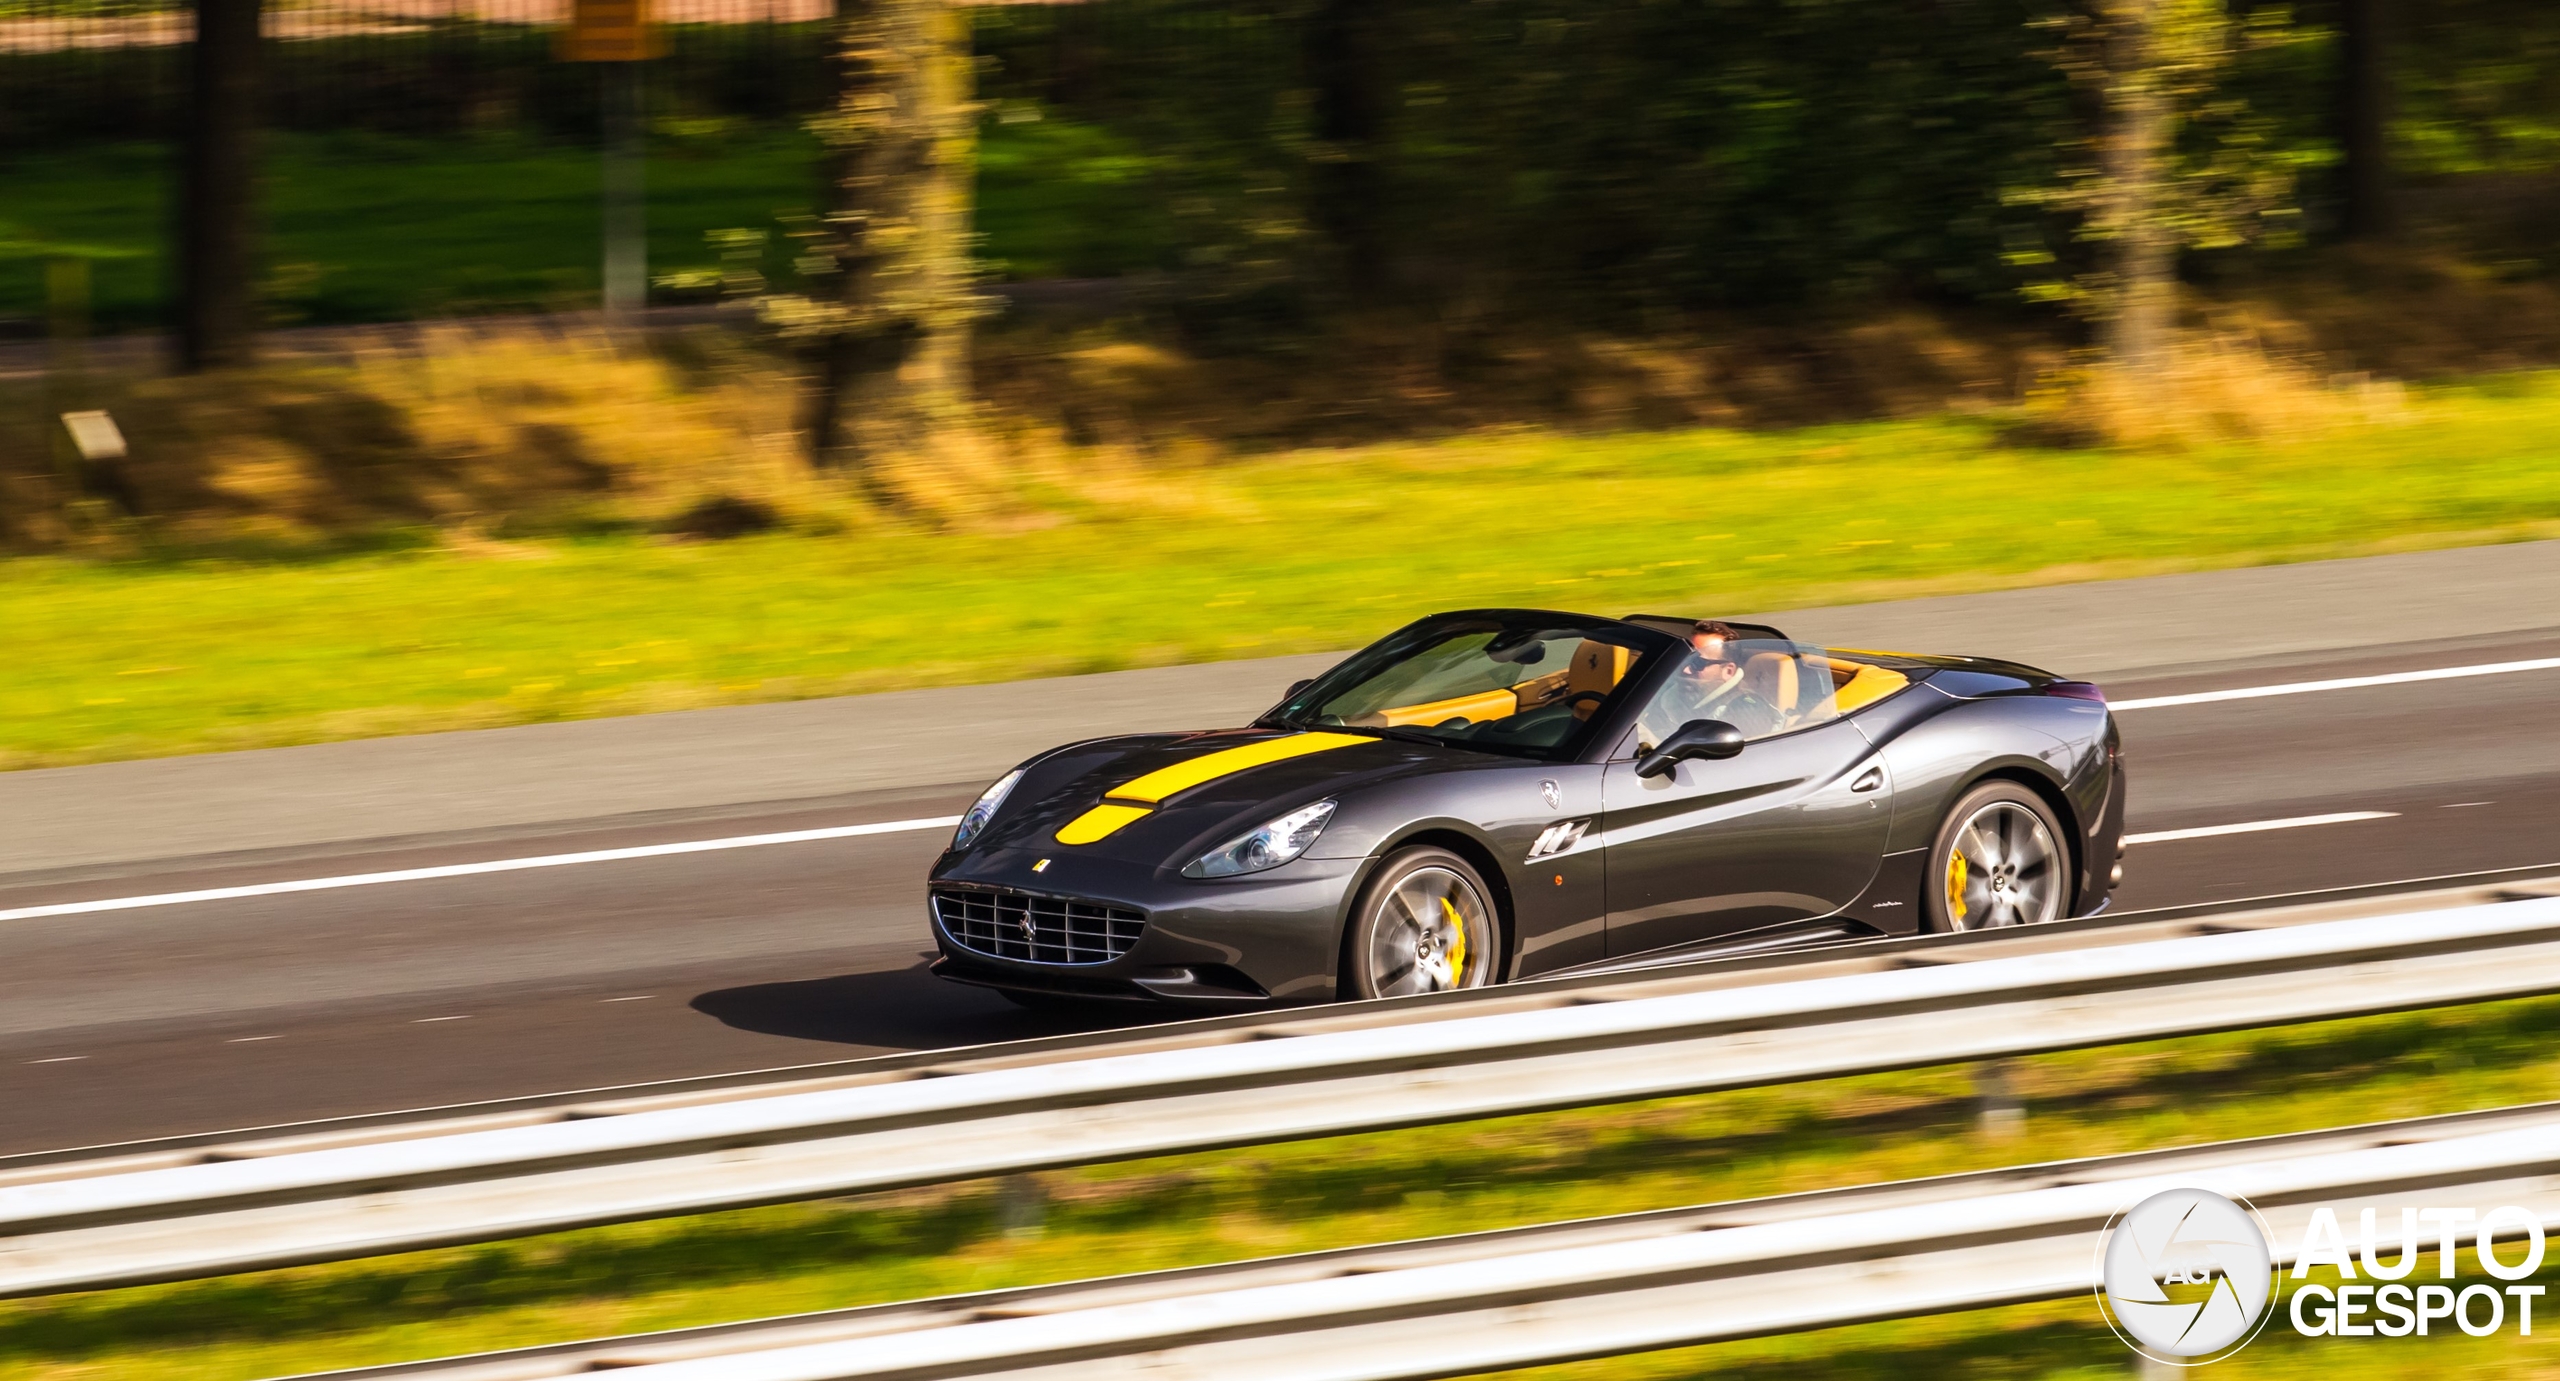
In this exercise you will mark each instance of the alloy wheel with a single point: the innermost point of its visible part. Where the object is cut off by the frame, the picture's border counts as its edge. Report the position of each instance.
(1432, 932)
(2005, 869)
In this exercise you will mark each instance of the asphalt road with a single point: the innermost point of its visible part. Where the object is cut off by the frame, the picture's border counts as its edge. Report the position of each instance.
(231, 1013)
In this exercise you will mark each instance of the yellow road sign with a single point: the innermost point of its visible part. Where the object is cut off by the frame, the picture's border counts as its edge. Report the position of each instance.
(610, 31)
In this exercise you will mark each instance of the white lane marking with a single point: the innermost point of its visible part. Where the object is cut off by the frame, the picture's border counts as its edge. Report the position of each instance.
(2466, 805)
(57, 1060)
(424, 1020)
(641, 998)
(752, 841)
(464, 870)
(2396, 678)
(244, 1040)
(2253, 826)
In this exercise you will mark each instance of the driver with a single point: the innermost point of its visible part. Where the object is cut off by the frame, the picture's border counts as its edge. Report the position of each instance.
(1708, 684)
(1710, 661)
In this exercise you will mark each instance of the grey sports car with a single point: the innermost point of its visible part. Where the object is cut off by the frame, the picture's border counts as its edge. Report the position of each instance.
(1498, 793)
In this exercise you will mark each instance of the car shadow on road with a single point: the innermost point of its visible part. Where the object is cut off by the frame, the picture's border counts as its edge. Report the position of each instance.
(903, 1009)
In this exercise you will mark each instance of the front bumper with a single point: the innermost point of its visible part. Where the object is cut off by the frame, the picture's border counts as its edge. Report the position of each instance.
(1271, 937)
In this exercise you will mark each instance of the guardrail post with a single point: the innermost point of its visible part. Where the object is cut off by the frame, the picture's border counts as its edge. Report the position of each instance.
(1021, 1205)
(1998, 1111)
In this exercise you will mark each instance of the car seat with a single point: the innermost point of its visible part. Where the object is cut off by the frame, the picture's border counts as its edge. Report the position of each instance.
(1772, 676)
(1597, 667)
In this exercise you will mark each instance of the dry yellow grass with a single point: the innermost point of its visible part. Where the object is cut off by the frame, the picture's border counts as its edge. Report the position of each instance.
(2211, 389)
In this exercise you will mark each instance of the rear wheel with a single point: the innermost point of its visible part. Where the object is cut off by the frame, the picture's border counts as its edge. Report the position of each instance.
(1425, 924)
(1999, 861)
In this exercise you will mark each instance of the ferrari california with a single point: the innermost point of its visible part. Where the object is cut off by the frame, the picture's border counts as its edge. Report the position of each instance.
(1497, 794)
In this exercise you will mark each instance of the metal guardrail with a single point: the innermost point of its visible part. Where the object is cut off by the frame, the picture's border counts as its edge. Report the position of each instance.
(1272, 1082)
(1490, 1301)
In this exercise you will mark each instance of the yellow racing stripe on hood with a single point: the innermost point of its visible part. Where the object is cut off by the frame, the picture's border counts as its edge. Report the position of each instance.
(1132, 800)
(1098, 823)
(1154, 787)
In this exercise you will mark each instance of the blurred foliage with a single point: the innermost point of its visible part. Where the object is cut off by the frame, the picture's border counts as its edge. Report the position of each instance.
(882, 324)
(1603, 161)
(2478, 87)
(1610, 162)
(2215, 172)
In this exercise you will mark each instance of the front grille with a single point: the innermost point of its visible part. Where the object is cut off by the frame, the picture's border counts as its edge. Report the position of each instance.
(1043, 930)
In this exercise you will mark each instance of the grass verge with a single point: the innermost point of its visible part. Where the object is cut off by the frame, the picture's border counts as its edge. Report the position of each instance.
(1102, 563)
(1389, 1186)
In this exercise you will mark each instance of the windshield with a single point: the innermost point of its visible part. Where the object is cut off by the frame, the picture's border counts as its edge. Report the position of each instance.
(1508, 681)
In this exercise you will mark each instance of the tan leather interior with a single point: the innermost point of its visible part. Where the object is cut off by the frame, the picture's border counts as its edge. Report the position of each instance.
(1483, 705)
(1596, 667)
(1772, 676)
(1538, 690)
(1869, 685)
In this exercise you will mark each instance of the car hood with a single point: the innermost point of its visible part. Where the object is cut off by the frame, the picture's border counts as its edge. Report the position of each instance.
(1243, 781)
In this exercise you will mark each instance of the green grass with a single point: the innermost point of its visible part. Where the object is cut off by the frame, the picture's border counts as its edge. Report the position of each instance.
(1390, 1186)
(1288, 553)
(365, 227)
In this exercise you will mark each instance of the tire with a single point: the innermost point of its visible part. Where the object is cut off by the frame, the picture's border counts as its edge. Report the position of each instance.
(1425, 924)
(2000, 860)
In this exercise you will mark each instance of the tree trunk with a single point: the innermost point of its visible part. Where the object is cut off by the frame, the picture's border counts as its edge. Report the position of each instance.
(890, 368)
(1344, 184)
(218, 196)
(2364, 116)
(2135, 165)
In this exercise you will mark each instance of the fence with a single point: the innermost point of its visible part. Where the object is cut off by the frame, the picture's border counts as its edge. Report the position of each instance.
(85, 70)
(72, 72)
(1492, 1301)
(1421, 1063)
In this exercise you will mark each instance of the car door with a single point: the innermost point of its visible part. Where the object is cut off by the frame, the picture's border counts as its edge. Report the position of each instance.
(1791, 828)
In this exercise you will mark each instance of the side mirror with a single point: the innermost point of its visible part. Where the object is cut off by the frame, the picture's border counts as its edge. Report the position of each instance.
(1699, 738)
(1295, 687)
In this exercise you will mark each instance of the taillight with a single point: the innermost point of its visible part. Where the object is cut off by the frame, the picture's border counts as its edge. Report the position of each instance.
(2076, 690)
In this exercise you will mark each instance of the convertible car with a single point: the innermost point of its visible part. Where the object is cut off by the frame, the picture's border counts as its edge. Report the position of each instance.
(1500, 793)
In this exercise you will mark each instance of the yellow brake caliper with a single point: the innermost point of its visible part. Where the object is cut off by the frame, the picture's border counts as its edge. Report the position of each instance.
(1956, 867)
(1457, 946)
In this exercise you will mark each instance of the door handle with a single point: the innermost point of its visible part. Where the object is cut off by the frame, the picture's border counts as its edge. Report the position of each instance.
(1868, 780)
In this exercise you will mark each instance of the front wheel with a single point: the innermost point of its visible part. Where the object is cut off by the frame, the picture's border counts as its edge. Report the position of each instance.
(1999, 861)
(1425, 924)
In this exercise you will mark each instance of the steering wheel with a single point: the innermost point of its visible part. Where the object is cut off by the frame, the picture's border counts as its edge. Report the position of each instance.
(1595, 697)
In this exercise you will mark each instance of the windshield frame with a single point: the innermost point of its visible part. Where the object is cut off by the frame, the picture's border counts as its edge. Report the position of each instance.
(1651, 649)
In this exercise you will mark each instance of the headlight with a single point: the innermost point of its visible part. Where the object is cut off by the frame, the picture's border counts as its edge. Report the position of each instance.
(1268, 847)
(974, 823)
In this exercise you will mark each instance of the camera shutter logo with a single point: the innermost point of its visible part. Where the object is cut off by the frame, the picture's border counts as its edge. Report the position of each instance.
(2188, 1275)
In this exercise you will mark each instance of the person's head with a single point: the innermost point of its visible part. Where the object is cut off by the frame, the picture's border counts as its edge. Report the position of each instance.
(1713, 639)
(1711, 651)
